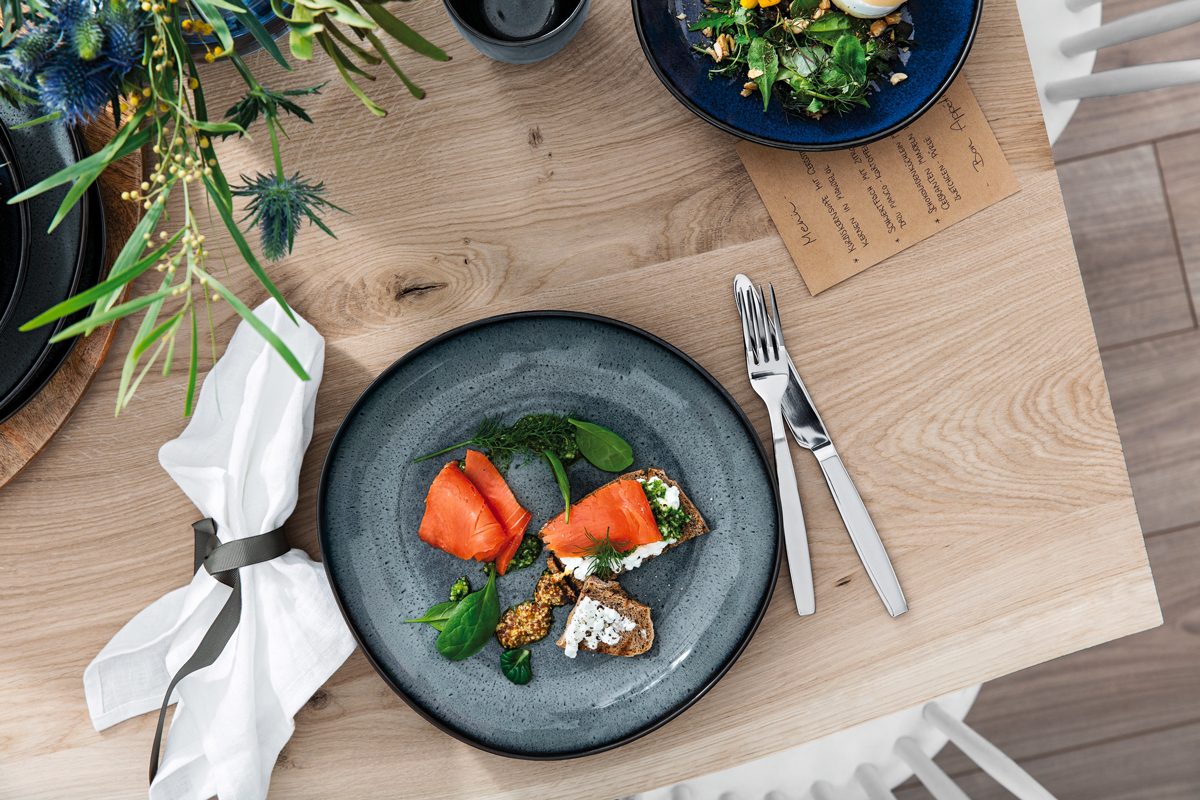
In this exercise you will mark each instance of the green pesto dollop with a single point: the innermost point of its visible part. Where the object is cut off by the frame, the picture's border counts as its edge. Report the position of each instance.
(460, 589)
(670, 521)
(527, 552)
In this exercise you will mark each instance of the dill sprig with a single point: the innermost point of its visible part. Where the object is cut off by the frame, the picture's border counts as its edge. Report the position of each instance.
(605, 557)
(531, 435)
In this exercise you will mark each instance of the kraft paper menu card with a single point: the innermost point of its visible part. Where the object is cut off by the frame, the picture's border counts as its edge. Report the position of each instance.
(844, 211)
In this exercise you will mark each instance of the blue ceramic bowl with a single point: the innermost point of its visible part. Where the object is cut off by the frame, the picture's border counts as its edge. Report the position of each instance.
(468, 19)
(943, 32)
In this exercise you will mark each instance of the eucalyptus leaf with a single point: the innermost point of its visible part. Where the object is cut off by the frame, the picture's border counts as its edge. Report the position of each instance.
(516, 667)
(564, 485)
(472, 624)
(437, 616)
(601, 447)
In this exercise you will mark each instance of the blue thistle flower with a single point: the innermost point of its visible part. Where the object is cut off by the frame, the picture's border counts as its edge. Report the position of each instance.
(77, 57)
(278, 205)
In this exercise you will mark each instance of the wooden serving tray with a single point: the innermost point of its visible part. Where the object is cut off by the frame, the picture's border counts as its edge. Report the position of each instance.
(27, 432)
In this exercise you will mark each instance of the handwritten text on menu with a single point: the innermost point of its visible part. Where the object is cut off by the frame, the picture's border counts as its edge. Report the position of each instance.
(842, 212)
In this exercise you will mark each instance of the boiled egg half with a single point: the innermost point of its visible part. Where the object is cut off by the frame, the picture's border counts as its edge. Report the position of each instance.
(867, 9)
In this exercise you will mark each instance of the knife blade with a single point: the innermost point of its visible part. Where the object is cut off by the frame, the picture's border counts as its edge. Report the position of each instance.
(806, 426)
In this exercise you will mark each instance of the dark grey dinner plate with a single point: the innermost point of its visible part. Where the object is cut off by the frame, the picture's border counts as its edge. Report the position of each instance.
(56, 354)
(55, 259)
(14, 230)
(707, 596)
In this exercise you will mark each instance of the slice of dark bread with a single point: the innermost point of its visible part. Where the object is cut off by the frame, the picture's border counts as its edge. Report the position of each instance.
(611, 595)
(694, 527)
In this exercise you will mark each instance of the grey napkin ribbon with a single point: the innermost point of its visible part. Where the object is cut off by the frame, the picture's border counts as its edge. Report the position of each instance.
(222, 561)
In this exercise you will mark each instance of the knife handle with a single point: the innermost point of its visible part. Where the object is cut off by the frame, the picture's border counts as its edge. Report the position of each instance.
(795, 535)
(862, 531)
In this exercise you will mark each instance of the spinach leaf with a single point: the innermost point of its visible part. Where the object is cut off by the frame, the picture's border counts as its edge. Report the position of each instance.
(600, 446)
(527, 553)
(472, 623)
(437, 616)
(829, 28)
(804, 61)
(764, 59)
(718, 22)
(800, 6)
(515, 666)
(564, 485)
(850, 57)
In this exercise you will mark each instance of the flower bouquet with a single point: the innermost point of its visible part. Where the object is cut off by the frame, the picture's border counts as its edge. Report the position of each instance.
(138, 59)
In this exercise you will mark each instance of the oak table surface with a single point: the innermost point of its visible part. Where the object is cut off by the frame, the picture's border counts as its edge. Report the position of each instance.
(959, 378)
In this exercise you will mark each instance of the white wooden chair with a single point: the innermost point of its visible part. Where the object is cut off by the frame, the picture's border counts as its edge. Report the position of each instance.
(866, 762)
(1063, 37)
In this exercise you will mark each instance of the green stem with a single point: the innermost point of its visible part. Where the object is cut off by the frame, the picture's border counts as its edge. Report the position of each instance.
(275, 149)
(443, 452)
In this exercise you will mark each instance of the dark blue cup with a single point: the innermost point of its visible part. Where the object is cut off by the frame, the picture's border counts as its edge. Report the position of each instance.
(517, 31)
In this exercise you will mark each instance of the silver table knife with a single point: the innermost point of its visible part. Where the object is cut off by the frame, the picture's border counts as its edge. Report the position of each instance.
(805, 424)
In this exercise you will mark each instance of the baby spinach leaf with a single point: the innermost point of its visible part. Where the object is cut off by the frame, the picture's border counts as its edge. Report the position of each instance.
(763, 58)
(850, 57)
(527, 553)
(804, 61)
(515, 666)
(564, 485)
(601, 447)
(437, 616)
(829, 28)
(472, 623)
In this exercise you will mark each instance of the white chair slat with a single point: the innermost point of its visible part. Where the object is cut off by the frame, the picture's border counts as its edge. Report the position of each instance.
(869, 778)
(1127, 80)
(987, 756)
(939, 785)
(1135, 26)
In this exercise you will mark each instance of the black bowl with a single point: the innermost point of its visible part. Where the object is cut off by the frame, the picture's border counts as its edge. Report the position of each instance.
(943, 32)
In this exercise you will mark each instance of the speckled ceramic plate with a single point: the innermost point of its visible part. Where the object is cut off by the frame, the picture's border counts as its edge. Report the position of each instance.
(707, 595)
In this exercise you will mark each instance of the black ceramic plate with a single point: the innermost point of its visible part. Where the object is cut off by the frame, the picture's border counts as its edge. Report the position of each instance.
(57, 353)
(55, 259)
(707, 595)
(14, 230)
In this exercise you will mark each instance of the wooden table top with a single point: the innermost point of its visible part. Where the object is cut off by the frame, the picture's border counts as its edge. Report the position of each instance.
(959, 378)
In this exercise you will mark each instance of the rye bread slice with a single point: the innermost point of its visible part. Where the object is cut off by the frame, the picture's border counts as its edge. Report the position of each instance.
(610, 594)
(693, 528)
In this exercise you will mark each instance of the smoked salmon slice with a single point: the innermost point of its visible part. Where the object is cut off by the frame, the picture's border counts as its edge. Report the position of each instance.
(500, 499)
(620, 508)
(458, 519)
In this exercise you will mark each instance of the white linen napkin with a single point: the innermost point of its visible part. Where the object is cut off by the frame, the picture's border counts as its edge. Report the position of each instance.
(238, 460)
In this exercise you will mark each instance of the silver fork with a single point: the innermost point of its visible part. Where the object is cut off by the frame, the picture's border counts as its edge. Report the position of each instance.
(767, 363)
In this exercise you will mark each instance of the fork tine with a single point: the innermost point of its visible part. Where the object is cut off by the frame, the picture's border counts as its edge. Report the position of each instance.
(760, 331)
(743, 313)
(768, 327)
(775, 314)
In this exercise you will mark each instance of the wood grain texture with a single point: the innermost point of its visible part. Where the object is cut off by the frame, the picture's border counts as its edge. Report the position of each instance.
(1125, 245)
(1108, 123)
(27, 432)
(960, 378)
(1181, 177)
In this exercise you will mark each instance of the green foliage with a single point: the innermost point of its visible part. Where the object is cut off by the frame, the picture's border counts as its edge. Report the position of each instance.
(437, 616)
(812, 65)
(605, 557)
(531, 435)
(516, 667)
(564, 483)
(601, 447)
(472, 624)
(158, 88)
